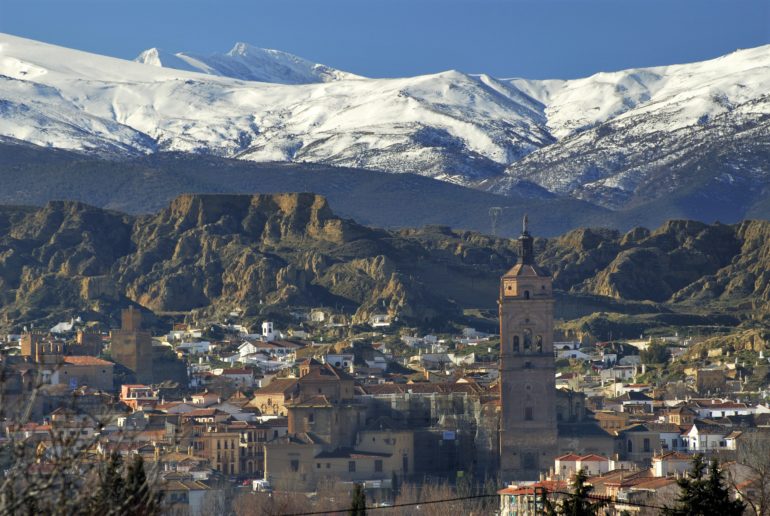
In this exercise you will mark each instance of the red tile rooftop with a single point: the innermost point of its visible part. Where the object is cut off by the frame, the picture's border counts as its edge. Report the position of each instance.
(593, 458)
(86, 361)
(241, 370)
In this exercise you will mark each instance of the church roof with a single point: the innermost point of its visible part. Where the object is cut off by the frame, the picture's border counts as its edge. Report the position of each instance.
(527, 270)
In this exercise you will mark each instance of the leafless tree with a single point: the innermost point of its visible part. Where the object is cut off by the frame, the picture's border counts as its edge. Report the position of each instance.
(750, 475)
(52, 469)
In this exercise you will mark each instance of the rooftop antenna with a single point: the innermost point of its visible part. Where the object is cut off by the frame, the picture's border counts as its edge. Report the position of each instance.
(494, 213)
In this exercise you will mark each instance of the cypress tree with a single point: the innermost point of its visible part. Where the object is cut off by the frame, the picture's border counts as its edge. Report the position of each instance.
(703, 495)
(358, 501)
(579, 502)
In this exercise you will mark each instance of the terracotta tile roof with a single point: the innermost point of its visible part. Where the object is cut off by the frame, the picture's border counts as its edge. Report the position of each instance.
(655, 483)
(593, 458)
(674, 455)
(237, 370)
(314, 401)
(277, 386)
(204, 412)
(326, 372)
(79, 360)
(550, 485)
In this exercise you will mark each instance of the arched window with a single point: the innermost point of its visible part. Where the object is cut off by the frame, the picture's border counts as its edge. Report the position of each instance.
(526, 294)
(515, 343)
(539, 343)
(630, 447)
(527, 340)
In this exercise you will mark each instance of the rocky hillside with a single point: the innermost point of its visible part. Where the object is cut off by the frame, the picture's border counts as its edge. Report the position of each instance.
(211, 254)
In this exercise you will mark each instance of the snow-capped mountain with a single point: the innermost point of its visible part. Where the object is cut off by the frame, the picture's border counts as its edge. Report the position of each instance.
(618, 132)
(248, 63)
(615, 139)
(447, 125)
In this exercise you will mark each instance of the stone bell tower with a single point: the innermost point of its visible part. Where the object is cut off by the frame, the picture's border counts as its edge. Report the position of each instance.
(528, 431)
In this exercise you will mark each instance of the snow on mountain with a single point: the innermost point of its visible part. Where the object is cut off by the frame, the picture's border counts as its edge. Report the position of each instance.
(248, 63)
(618, 131)
(450, 124)
(608, 138)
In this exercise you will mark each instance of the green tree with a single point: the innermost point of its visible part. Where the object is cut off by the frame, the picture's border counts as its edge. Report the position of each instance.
(656, 353)
(112, 487)
(140, 499)
(702, 494)
(358, 501)
(579, 501)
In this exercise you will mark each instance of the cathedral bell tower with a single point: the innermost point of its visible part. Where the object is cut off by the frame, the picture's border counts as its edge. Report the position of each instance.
(528, 431)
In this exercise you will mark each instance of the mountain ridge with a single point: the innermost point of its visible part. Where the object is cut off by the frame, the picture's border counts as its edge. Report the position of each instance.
(209, 254)
(249, 63)
(620, 140)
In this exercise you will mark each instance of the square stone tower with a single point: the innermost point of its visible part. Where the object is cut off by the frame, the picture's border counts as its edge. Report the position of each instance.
(131, 346)
(528, 429)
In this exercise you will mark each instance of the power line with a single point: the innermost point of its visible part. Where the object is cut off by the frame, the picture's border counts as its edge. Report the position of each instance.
(610, 500)
(607, 499)
(394, 506)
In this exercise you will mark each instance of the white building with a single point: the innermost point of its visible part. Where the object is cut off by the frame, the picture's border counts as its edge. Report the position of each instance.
(671, 464)
(379, 320)
(702, 437)
(567, 465)
(268, 332)
(340, 360)
(195, 348)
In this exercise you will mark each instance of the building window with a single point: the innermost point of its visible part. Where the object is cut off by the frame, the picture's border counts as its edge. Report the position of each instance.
(528, 415)
(294, 465)
(527, 340)
(378, 466)
(526, 294)
(539, 343)
(311, 417)
(328, 465)
(646, 444)
(630, 447)
(516, 343)
(351, 466)
(318, 465)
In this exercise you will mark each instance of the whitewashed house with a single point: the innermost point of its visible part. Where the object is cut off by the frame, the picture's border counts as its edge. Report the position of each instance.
(703, 437)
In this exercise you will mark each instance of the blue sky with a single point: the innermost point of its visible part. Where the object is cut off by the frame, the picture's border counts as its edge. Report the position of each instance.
(382, 38)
